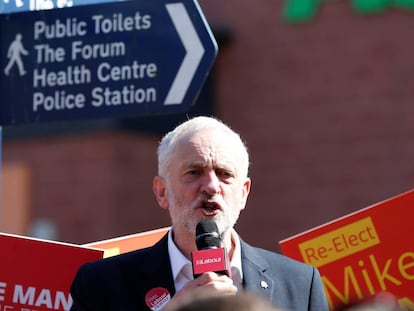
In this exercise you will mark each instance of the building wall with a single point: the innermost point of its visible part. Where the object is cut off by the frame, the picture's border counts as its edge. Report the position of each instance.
(92, 186)
(325, 107)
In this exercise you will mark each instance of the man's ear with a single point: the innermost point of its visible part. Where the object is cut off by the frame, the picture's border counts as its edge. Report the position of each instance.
(160, 191)
(245, 191)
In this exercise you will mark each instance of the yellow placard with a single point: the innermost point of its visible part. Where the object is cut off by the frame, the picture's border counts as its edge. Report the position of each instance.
(339, 243)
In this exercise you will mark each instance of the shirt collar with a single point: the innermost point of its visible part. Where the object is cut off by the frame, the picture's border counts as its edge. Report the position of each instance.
(236, 263)
(177, 259)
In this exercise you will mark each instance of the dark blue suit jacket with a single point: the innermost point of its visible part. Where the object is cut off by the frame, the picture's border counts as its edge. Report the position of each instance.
(120, 283)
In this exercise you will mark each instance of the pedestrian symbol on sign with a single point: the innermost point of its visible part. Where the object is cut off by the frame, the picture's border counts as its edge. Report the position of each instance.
(14, 54)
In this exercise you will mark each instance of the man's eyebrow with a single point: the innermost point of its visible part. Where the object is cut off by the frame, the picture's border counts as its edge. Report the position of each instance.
(195, 165)
(202, 164)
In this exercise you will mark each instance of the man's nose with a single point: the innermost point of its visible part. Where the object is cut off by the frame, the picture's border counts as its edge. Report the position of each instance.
(211, 183)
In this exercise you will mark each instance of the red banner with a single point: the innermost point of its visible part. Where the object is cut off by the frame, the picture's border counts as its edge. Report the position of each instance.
(35, 275)
(363, 253)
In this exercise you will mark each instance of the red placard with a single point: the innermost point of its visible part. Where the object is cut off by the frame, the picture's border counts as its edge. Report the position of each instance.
(363, 253)
(36, 275)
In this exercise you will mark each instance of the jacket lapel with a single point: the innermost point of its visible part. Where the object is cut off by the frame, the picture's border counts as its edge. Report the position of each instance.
(255, 278)
(156, 273)
(160, 269)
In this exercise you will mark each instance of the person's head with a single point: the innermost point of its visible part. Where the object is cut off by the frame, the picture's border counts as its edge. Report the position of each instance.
(383, 301)
(240, 302)
(202, 174)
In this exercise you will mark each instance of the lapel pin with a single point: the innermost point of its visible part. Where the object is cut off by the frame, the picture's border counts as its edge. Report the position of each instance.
(264, 285)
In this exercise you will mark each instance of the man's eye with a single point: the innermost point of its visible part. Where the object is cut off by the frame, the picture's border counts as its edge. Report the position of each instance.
(226, 174)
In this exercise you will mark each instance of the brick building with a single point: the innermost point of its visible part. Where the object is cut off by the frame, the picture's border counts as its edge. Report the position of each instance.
(326, 108)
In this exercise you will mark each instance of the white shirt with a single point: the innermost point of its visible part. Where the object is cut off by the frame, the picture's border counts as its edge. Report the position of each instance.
(182, 269)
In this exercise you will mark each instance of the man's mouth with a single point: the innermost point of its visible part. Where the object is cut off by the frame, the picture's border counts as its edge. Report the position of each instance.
(210, 209)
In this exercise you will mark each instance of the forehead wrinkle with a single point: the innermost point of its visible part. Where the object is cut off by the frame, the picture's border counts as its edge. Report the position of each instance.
(212, 155)
(215, 150)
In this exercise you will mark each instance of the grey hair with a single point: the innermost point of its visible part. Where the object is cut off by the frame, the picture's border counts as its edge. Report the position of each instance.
(189, 127)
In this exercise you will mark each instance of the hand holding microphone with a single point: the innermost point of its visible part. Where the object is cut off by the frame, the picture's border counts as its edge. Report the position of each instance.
(210, 256)
(211, 267)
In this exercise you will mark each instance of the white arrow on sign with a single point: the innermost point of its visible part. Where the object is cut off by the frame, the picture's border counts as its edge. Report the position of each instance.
(194, 53)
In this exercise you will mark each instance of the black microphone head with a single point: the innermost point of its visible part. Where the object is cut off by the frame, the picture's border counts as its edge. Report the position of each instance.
(207, 235)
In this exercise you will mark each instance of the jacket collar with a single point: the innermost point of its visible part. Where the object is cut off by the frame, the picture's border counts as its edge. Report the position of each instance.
(255, 276)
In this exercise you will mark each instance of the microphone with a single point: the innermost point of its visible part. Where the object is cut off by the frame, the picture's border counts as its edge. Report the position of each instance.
(210, 256)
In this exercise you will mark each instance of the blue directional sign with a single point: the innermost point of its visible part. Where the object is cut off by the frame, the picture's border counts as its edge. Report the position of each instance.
(122, 58)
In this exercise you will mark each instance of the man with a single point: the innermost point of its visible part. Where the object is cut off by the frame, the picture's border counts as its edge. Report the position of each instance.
(202, 175)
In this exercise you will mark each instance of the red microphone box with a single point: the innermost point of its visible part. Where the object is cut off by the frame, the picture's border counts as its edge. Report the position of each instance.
(363, 253)
(35, 275)
(206, 260)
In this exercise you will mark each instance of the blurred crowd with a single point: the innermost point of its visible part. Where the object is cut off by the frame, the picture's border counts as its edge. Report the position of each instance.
(249, 302)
